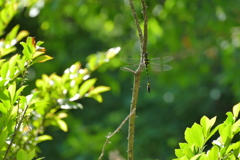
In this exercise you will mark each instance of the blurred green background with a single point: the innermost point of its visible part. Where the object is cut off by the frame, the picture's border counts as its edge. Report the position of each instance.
(202, 36)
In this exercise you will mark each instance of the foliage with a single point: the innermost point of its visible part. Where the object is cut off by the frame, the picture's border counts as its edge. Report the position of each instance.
(23, 118)
(203, 38)
(227, 145)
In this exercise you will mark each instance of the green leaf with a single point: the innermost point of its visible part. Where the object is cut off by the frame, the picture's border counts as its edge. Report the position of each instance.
(213, 132)
(29, 48)
(43, 138)
(99, 89)
(207, 125)
(3, 109)
(26, 51)
(97, 97)
(86, 86)
(12, 91)
(226, 134)
(197, 135)
(13, 33)
(62, 124)
(4, 70)
(5, 98)
(18, 93)
(22, 34)
(42, 59)
(213, 153)
(178, 153)
(112, 52)
(31, 154)
(39, 43)
(188, 152)
(184, 145)
(236, 127)
(236, 149)
(22, 155)
(3, 137)
(236, 110)
(196, 157)
(230, 119)
(188, 136)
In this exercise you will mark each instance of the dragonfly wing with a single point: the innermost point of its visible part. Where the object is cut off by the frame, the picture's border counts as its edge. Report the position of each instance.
(130, 68)
(167, 59)
(161, 60)
(159, 68)
(167, 67)
(130, 60)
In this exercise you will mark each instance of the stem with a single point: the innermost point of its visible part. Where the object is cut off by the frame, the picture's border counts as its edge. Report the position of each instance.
(136, 84)
(18, 121)
(143, 41)
(134, 14)
(112, 134)
(145, 28)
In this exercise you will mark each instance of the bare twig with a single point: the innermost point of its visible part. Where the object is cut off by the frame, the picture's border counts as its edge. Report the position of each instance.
(137, 74)
(136, 21)
(112, 134)
(145, 29)
(132, 118)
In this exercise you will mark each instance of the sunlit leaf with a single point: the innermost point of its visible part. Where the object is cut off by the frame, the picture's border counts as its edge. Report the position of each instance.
(62, 124)
(236, 110)
(3, 137)
(197, 135)
(12, 90)
(13, 33)
(236, 127)
(26, 50)
(22, 34)
(22, 155)
(3, 109)
(18, 92)
(5, 98)
(99, 89)
(188, 152)
(97, 97)
(207, 124)
(188, 136)
(213, 153)
(112, 52)
(31, 154)
(43, 138)
(225, 134)
(42, 59)
(86, 86)
(5, 70)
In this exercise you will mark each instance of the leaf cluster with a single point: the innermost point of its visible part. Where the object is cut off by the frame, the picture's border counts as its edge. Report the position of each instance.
(225, 147)
(23, 118)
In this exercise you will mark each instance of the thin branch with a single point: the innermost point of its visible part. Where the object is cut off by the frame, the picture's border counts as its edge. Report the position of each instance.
(137, 75)
(145, 29)
(112, 134)
(136, 21)
(18, 125)
(132, 118)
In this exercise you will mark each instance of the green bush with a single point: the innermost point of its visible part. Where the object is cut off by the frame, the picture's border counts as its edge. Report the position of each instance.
(23, 118)
(225, 147)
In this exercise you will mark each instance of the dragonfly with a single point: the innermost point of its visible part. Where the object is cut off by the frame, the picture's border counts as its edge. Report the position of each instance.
(155, 64)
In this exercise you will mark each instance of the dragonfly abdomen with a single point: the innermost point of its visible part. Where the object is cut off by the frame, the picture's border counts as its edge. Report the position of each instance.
(146, 61)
